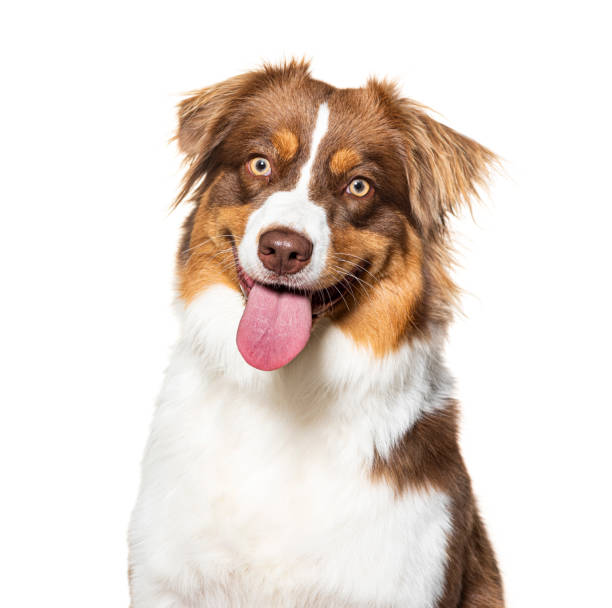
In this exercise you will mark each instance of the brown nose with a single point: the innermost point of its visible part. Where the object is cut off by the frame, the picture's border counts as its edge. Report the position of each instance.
(284, 251)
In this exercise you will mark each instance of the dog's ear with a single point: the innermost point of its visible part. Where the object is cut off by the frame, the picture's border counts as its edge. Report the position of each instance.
(205, 116)
(444, 169)
(204, 120)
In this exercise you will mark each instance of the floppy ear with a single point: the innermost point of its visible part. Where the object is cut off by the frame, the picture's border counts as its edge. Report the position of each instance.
(207, 116)
(205, 119)
(444, 168)
(204, 116)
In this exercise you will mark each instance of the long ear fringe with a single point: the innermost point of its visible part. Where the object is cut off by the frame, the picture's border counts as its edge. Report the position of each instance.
(446, 170)
(204, 120)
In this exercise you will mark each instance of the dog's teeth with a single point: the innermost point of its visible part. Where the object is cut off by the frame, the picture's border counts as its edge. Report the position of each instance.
(243, 290)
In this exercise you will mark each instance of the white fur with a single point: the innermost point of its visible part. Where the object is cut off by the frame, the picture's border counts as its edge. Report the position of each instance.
(292, 209)
(256, 487)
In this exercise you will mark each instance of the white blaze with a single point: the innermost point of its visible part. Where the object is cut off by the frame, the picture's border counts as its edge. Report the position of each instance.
(292, 209)
(318, 134)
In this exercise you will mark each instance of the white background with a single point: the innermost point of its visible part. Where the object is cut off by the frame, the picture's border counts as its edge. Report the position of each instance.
(87, 249)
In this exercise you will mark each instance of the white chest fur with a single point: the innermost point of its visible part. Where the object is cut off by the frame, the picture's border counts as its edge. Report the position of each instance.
(256, 487)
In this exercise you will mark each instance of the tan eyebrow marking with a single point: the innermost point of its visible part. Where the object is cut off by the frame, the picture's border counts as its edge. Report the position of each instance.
(343, 160)
(286, 143)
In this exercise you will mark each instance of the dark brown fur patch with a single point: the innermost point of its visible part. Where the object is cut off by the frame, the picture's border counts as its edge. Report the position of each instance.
(428, 457)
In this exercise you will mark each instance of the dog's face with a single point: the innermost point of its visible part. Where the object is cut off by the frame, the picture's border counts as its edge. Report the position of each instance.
(316, 201)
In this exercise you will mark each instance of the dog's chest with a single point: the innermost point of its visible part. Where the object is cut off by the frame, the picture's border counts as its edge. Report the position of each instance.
(258, 502)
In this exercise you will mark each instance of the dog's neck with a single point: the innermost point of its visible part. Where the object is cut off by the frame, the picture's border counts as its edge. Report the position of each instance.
(333, 380)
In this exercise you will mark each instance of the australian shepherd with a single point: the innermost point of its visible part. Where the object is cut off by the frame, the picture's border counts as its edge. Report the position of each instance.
(304, 450)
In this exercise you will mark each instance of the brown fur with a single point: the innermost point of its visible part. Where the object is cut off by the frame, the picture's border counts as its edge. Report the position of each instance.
(393, 304)
(395, 240)
(208, 260)
(428, 457)
(422, 171)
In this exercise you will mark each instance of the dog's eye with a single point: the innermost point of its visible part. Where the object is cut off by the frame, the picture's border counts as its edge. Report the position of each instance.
(259, 166)
(359, 187)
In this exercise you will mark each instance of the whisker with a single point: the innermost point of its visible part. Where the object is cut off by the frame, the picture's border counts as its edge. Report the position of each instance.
(221, 252)
(337, 256)
(341, 276)
(362, 282)
(352, 255)
(342, 296)
(362, 285)
(212, 238)
(354, 276)
(324, 291)
(347, 285)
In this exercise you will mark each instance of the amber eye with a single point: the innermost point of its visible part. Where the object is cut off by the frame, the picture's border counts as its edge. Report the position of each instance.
(259, 166)
(359, 187)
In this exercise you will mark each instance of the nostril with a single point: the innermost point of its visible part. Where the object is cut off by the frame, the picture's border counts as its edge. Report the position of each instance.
(284, 251)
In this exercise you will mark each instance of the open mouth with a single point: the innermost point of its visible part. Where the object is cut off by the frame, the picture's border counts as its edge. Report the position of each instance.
(321, 300)
(277, 320)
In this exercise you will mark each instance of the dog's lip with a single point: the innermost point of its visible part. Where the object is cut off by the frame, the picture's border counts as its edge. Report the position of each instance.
(246, 282)
(322, 300)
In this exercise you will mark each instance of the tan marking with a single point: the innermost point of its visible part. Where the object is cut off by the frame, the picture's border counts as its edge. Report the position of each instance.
(343, 160)
(211, 260)
(384, 315)
(286, 143)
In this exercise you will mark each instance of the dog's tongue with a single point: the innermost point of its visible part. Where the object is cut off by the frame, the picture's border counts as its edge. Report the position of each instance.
(274, 328)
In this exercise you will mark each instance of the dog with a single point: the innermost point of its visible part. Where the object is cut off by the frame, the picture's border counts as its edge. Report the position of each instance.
(304, 450)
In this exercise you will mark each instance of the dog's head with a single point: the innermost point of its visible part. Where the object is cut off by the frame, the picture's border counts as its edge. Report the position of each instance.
(321, 202)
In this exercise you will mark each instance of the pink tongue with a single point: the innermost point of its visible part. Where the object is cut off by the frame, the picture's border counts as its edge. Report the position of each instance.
(274, 328)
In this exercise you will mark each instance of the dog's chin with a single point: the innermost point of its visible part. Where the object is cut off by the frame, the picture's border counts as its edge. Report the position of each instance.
(278, 318)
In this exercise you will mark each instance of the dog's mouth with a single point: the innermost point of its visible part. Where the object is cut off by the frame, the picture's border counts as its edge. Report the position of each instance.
(277, 320)
(322, 300)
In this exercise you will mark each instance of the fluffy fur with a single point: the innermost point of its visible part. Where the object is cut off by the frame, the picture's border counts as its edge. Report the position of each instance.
(335, 480)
